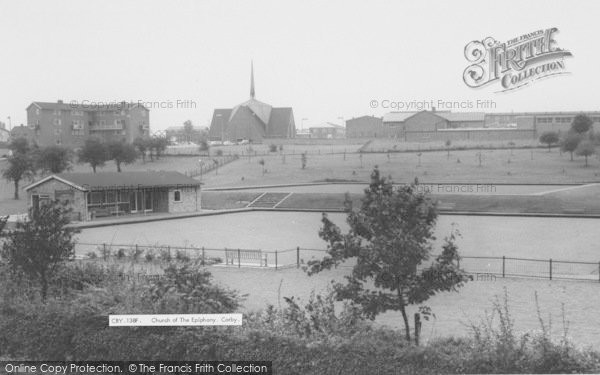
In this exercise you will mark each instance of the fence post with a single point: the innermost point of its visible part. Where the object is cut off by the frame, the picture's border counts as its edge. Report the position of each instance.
(239, 259)
(169, 250)
(275, 259)
(104, 251)
(503, 266)
(298, 257)
(550, 268)
(203, 259)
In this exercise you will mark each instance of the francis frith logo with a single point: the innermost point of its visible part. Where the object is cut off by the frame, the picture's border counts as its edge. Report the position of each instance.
(515, 63)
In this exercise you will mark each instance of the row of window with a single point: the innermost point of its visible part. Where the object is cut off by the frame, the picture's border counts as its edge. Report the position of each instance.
(79, 123)
(561, 120)
(60, 112)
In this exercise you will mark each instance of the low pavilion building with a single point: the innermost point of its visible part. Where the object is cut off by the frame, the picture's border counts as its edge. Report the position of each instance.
(93, 195)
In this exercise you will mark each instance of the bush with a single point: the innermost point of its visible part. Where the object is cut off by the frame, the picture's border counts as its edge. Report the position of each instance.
(165, 254)
(149, 255)
(181, 256)
(272, 147)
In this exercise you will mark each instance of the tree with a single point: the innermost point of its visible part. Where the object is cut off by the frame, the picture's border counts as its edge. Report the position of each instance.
(262, 164)
(390, 236)
(20, 166)
(37, 246)
(20, 145)
(581, 123)
(303, 159)
(141, 144)
(585, 148)
(188, 130)
(204, 147)
(54, 159)
(159, 145)
(549, 138)
(570, 142)
(448, 144)
(121, 153)
(93, 152)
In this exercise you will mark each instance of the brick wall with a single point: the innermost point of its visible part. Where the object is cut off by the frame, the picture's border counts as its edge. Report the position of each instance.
(190, 200)
(59, 190)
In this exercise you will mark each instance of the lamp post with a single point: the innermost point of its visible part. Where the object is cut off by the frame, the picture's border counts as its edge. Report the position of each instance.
(220, 116)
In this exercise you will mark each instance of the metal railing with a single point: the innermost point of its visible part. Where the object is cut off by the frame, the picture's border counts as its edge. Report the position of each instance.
(502, 266)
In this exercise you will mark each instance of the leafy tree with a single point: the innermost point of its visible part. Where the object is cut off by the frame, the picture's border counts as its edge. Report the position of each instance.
(54, 159)
(262, 164)
(304, 160)
(390, 237)
(272, 147)
(570, 142)
(448, 144)
(158, 145)
(204, 146)
(141, 144)
(188, 130)
(585, 148)
(20, 166)
(20, 145)
(581, 123)
(37, 246)
(121, 153)
(549, 138)
(94, 152)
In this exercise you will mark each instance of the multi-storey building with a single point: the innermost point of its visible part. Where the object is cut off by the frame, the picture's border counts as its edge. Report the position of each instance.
(71, 124)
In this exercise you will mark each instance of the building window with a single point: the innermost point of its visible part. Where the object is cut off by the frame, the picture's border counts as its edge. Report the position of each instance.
(76, 113)
(57, 112)
(177, 196)
(57, 121)
(37, 111)
(102, 122)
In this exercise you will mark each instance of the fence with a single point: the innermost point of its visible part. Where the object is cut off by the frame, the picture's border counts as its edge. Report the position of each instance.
(211, 165)
(480, 266)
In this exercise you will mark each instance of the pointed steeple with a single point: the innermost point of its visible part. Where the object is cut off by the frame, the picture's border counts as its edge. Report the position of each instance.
(252, 80)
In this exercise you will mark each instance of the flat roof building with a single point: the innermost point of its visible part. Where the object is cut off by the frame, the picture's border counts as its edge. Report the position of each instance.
(71, 124)
(92, 195)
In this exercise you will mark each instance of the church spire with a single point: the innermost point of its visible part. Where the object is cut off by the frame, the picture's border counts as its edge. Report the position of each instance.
(252, 80)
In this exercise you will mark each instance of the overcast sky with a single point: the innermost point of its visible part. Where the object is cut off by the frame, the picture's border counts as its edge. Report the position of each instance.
(326, 59)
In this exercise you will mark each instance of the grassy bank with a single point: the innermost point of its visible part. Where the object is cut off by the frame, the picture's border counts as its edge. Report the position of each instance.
(301, 337)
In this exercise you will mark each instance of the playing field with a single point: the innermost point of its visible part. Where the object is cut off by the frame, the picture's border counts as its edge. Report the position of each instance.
(573, 239)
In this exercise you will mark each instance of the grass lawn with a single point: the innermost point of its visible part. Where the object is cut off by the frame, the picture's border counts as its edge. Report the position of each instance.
(537, 166)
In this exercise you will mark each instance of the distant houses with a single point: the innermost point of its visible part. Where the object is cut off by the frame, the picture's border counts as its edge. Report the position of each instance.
(112, 194)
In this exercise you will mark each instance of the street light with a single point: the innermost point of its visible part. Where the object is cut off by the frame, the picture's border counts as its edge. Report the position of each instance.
(302, 124)
(220, 116)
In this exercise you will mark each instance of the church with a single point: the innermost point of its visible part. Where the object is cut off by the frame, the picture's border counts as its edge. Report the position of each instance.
(252, 120)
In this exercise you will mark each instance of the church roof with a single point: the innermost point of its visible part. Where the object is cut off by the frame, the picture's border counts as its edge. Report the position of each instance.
(260, 109)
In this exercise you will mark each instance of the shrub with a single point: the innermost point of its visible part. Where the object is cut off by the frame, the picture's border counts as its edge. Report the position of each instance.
(181, 256)
(272, 147)
(165, 254)
(149, 255)
(121, 253)
(92, 255)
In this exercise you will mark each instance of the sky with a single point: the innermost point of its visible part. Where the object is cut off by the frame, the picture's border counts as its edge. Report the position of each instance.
(329, 61)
